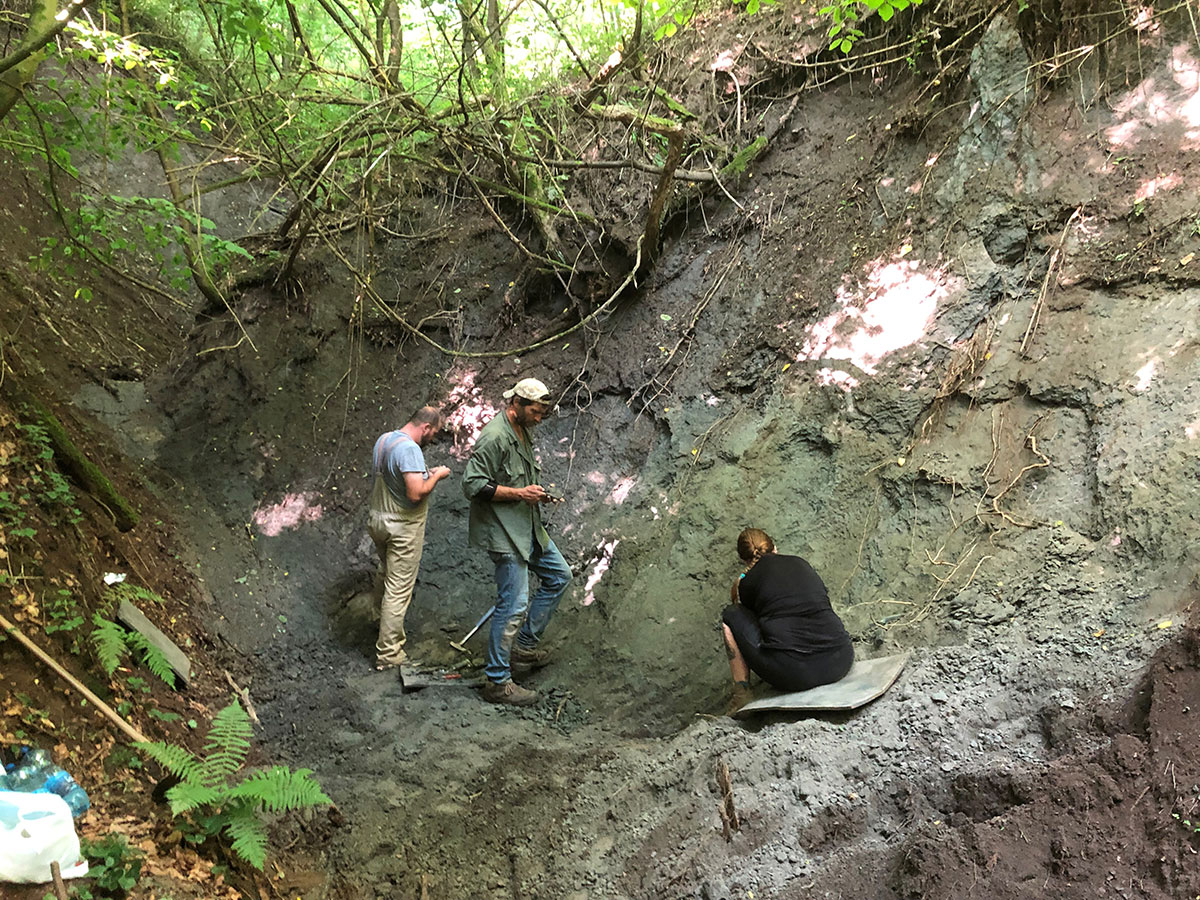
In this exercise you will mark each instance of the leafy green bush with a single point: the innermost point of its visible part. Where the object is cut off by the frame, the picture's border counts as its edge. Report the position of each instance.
(113, 866)
(107, 226)
(45, 486)
(210, 800)
(64, 614)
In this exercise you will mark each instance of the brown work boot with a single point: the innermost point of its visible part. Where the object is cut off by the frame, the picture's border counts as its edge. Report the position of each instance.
(740, 697)
(509, 693)
(531, 657)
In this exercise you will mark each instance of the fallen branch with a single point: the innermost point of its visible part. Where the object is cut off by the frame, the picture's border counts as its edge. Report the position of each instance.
(108, 711)
(619, 112)
(60, 889)
(244, 695)
(679, 174)
(658, 201)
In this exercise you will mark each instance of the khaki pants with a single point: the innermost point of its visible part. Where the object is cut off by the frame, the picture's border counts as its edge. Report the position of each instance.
(399, 536)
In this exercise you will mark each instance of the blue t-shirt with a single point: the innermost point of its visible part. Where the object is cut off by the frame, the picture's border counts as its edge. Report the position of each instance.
(397, 453)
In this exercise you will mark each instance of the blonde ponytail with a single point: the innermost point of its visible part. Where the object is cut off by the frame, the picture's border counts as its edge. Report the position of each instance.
(753, 544)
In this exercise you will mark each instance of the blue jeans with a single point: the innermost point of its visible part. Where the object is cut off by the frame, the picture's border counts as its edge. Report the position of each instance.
(517, 618)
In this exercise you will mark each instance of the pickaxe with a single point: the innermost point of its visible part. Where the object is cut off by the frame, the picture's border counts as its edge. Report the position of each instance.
(459, 645)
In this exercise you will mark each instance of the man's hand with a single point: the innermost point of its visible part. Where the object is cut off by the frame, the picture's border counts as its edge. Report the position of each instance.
(437, 473)
(532, 494)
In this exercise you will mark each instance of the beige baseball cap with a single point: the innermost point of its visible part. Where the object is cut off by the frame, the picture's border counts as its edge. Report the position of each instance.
(529, 389)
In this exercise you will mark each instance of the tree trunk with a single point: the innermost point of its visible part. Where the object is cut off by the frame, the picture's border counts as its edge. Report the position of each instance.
(392, 10)
(17, 70)
(493, 50)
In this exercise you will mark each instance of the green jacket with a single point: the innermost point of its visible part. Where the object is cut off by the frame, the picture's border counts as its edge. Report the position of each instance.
(502, 458)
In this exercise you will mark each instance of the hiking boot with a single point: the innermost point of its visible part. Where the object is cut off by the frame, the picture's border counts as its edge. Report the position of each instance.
(740, 697)
(509, 693)
(531, 657)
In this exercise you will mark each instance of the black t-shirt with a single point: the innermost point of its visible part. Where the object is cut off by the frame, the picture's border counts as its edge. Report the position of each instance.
(792, 606)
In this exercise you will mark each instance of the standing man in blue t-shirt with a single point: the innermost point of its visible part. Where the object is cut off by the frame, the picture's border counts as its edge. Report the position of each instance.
(396, 522)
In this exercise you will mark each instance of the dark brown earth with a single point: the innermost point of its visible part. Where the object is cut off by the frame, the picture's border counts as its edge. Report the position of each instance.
(1103, 819)
(943, 345)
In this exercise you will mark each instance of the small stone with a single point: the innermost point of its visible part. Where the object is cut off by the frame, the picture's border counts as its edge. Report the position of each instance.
(939, 697)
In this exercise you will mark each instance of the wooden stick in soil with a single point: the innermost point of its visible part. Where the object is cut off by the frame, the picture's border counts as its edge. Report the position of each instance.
(108, 711)
(60, 889)
(729, 817)
(244, 694)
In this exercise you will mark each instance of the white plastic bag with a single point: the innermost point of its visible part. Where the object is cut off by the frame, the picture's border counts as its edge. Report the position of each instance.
(36, 830)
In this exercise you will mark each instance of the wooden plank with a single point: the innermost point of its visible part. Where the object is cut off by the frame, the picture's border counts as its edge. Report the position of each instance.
(133, 618)
(414, 679)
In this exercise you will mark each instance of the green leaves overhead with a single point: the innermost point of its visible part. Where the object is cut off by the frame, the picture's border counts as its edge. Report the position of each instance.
(846, 14)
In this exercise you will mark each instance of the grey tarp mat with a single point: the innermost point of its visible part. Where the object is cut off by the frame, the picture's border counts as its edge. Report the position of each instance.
(866, 680)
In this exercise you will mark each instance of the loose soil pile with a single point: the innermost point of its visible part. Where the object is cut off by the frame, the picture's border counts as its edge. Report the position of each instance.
(946, 350)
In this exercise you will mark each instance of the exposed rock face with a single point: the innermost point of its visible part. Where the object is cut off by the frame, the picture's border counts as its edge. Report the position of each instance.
(995, 147)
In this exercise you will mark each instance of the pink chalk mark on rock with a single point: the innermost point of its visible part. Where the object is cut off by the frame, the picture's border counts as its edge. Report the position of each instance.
(889, 312)
(602, 565)
(290, 512)
(621, 490)
(467, 413)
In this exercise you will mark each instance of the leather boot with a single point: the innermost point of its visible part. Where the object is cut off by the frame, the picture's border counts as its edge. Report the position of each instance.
(740, 697)
(509, 693)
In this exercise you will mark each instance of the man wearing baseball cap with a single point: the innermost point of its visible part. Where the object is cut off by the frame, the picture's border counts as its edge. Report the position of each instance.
(501, 481)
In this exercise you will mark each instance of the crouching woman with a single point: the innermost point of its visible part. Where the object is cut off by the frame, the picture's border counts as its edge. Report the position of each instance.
(780, 624)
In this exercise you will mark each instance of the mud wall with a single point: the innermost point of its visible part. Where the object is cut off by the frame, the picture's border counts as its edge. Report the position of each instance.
(924, 388)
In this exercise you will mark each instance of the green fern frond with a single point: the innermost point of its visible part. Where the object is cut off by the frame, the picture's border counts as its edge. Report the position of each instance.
(189, 795)
(153, 658)
(214, 805)
(115, 593)
(226, 745)
(248, 835)
(230, 729)
(280, 789)
(178, 761)
(108, 639)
